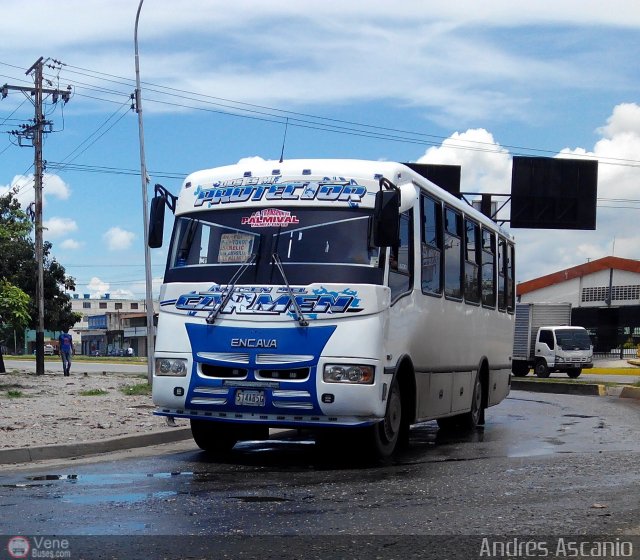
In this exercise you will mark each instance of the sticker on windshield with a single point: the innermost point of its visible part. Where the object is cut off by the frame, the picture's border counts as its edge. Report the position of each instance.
(235, 247)
(270, 217)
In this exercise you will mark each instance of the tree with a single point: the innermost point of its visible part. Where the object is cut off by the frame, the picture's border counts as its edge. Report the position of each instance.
(18, 266)
(14, 312)
(14, 306)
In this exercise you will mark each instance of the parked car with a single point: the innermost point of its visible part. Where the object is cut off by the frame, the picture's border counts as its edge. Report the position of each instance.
(49, 350)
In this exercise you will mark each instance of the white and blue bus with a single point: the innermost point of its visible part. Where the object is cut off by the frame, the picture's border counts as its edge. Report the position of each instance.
(329, 294)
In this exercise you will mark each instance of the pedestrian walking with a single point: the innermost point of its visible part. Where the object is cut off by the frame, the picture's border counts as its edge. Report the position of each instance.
(66, 350)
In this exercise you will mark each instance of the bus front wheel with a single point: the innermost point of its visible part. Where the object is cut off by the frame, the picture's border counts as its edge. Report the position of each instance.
(393, 429)
(214, 437)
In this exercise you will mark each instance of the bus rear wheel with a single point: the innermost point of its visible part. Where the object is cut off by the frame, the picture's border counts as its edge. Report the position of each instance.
(214, 437)
(469, 420)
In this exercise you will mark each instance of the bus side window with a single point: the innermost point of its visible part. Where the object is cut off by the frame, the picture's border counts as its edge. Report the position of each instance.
(431, 246)
(502, 274)
(472, 262)
(401, 258)
(488, 268)
(452, 254)
(511, 292)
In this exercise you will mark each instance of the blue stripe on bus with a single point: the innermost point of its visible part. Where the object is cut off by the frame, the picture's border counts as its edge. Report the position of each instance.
(308, 341)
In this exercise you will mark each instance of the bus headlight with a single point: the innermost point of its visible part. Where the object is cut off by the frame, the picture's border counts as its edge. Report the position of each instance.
(171, 367)
(348, 373)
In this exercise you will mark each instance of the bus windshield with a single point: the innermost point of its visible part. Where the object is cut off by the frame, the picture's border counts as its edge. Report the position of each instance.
(212, 245)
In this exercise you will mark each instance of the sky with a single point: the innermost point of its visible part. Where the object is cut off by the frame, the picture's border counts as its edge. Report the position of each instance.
(408, 81)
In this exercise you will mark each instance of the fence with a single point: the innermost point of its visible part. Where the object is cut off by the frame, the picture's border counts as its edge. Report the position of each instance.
(617, 353)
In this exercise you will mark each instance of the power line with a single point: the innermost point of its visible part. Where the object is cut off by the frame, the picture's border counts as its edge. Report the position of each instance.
(326, 124)
(93, 137)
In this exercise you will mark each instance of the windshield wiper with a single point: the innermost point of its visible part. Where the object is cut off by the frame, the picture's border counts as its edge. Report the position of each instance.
(231, 286)
(300, 317)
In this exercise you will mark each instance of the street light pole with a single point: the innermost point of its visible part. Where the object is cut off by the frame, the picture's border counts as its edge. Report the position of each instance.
(145, 214)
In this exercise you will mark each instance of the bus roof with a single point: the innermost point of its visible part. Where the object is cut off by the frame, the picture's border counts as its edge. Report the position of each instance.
(254, 182)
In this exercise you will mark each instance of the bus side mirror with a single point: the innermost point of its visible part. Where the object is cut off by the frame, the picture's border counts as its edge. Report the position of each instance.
(156, 222)
(386, 219)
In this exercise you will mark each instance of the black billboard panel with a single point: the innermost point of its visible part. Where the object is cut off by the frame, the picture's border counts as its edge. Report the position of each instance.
(553, 193)
(447, 177)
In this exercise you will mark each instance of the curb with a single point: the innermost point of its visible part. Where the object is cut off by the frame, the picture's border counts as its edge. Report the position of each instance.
(585, 389)
(630, 393)
(81, 449)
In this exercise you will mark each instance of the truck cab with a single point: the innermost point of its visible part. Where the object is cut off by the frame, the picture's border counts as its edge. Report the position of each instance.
(562, 348)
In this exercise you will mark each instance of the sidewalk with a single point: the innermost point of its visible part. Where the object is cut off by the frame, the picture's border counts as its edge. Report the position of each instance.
(55, 417)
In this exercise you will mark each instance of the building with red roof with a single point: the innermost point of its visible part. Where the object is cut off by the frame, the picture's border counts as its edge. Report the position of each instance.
(604, 294)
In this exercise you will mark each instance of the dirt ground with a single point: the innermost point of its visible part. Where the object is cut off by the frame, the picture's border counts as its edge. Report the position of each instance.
(51, 409)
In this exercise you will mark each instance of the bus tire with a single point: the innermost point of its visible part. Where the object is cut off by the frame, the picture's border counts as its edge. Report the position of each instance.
(574, 373)
(542, 369)
(393, 429)
(214, 437)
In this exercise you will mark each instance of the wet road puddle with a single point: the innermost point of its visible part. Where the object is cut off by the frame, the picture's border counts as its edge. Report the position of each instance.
(57, 483)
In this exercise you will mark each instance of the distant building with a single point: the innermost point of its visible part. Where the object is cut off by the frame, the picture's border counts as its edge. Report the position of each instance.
(605, 298)
(106, 325)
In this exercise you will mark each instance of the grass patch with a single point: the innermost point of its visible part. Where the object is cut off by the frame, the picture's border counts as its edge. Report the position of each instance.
(14, 394)
(138, 389)
(93, 393)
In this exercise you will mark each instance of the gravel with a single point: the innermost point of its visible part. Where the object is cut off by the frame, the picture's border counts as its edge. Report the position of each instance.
(50, 409)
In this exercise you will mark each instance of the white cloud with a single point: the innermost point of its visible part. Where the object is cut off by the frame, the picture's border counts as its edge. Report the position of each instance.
(54, 185)
(23, 188)
(58, 227)
(625, 119)
(487, 167)
(250, 160)
(118, 239)
(446, 57)
(71, 244)
(97, 287)
(121, 293)
(140, 288)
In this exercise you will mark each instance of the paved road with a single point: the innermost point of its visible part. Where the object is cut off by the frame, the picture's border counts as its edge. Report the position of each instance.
(543, 465)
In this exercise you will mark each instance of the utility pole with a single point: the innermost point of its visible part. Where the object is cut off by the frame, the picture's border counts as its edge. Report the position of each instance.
(145, 217)
(34, 133)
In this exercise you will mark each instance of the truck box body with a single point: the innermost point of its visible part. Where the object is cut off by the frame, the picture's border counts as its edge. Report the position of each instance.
(529, 318)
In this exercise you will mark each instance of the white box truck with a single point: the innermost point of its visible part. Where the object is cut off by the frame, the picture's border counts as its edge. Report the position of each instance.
(545, 341)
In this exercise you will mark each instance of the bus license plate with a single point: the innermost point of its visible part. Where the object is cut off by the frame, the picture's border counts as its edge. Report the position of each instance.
(249, 398)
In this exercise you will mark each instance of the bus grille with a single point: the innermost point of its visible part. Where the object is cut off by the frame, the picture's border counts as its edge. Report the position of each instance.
(209, 370)
(297, 374)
